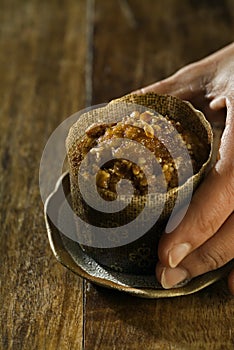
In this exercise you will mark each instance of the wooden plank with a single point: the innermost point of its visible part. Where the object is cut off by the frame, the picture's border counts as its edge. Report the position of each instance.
(135, 43)
(42, 81)
(200, 321)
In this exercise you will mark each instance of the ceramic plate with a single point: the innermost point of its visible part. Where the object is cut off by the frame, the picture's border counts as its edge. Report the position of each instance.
(69, 253)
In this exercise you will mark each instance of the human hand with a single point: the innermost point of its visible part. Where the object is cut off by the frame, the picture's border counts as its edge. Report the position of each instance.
(204, 240)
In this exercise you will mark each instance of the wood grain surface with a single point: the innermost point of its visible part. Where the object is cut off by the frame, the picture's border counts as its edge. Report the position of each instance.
(56, 57)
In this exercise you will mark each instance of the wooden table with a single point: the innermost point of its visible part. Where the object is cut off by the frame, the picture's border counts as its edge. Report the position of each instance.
(57, 57)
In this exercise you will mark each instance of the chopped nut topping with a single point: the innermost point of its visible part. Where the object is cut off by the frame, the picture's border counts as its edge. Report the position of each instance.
(135, 169)
(131, 132)
(135, 114)
(159, 159)
(149, 131)
(165, 167)
(144, 182)
(102, 179)
(171, 169)
(146, 116)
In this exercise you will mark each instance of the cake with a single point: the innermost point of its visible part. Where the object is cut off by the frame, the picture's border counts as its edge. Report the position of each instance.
(115, 151)
(141, 128)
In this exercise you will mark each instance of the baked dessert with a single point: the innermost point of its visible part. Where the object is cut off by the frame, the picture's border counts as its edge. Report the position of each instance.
(161, 124)
(142, 128)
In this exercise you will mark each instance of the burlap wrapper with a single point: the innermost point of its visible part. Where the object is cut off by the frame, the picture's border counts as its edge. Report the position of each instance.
(139, 256)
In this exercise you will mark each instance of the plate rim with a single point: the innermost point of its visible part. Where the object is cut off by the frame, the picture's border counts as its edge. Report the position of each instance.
(64, 257)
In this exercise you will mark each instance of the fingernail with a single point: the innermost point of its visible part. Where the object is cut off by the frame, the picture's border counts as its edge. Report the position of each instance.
(172, 277)
(178, 253)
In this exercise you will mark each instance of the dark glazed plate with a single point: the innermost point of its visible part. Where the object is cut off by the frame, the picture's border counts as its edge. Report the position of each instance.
(70, 254)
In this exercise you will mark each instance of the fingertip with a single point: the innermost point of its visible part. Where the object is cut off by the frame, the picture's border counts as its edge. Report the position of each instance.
(146, 89)
(138, 92)
(218, 103)
(158, 87)
(158, 270)
(163, 248)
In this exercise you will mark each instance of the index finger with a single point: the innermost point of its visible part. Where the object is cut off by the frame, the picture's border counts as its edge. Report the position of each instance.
(210, 206)
(186, 83)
